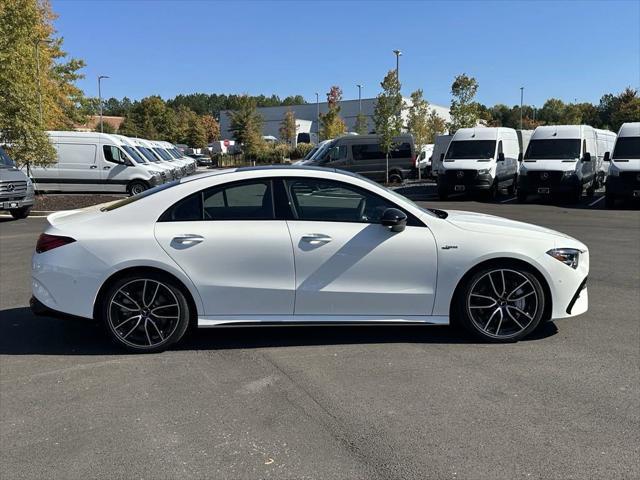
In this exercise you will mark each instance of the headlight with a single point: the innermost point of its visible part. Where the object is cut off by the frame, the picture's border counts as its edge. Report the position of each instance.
(568, 256)
(484, 171)
(567, 173)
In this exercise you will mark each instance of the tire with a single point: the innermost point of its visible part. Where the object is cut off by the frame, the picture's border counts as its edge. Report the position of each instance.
(443, 193)
(499, 312)
(576, 195)
(20, 213)
(591, 190)
(511, 189)
(136, 187)
(145, 312)
(491, 194)
(522, 196)
(395, 177)
(609, 200)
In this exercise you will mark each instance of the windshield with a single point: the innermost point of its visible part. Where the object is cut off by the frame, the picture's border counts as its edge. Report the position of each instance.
(627, 148)
(323, 153)
(471, 149)
(134, 154)
(163, 154)
(553, 149)
(5, 161)
(311, 153)
(147, 154)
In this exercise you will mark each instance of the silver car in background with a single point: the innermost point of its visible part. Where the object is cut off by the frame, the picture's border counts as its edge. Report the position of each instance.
(16, 189)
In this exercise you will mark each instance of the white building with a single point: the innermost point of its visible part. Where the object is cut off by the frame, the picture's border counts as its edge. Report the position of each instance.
(306, 116)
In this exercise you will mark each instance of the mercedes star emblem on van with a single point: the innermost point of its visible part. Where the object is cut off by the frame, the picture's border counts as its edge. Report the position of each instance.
(460, 174)
(11, 187)
(544, 176)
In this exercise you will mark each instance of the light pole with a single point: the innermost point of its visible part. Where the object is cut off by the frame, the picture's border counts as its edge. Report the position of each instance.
(521, 98)
(318, 116)
(398, 53)
(359, 98)
(100, 77)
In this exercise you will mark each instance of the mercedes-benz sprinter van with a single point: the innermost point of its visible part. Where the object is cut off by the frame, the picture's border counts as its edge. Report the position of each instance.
(92, 162)
(623, 175)
(560, 159)
(480, 160)
(16, 189)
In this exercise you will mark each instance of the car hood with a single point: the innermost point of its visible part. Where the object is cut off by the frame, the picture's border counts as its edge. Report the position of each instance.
(467, 164)
(483, 223)
(12, 175)
(632, 165)
(553, 165)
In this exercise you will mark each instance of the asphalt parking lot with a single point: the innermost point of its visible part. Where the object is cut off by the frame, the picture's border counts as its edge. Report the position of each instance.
(333, 402)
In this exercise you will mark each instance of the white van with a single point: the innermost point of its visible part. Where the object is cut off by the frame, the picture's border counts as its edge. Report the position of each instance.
(92, 162)
(130, 146)
(439, 149)
(171, 149)
(560, 159)
(145, 148)
(480, 160)
(623, 175)
(160, 150)
(604, 143)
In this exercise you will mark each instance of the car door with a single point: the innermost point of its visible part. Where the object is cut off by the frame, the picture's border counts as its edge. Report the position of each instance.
(226, 240)
(115, 171)
(347, 263)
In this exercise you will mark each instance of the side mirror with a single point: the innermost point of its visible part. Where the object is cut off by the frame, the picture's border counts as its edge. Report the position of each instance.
(501, 157)
(395, 219)
(586, 157)
(607, 157)
(520, 157)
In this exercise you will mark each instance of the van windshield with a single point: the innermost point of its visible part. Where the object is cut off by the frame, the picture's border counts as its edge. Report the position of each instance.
(5, 161)
(627, 148)
(147, 154)
(322, 155)
(134, 154)
(553, 149)
(163, 154)
(471, 149)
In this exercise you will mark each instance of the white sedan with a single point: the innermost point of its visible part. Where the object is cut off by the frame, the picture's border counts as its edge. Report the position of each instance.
(299, 245)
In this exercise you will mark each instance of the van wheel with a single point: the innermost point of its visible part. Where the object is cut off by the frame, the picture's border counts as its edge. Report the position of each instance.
(395, 177)
(511, 189)
(522, 196)
(575, 196)
(592, 189)
(20, 213)
(137, 187)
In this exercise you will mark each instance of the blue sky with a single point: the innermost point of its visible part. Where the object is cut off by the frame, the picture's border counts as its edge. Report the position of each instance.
(569, 50)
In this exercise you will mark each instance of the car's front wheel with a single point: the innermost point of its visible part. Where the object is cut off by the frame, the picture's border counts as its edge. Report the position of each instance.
(20, 213)
(145, 312)
(501, 303)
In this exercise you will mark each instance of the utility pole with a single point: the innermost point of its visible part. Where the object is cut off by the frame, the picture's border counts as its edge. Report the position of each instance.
(318, 116)
(100, 77)
(398, 53)
(359, 98)
(521, 99)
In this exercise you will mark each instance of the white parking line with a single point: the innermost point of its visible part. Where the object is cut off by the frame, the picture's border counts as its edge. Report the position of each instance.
(508, 200)
(596, 201)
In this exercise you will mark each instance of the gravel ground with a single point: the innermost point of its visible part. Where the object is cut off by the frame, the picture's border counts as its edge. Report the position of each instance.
(64, 201)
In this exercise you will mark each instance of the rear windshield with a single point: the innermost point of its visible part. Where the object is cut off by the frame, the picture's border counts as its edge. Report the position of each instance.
(5, 161)
(135, 198)
(553, 149)
(627, 148)
(471, 150)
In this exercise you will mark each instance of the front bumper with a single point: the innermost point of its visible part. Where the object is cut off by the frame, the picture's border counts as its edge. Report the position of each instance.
(548, 182)
(627, 184)
(12, 203)
(464, 181)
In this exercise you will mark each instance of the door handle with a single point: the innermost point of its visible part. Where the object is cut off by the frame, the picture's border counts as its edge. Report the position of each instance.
(93, 166)
(106, 168)
(316, 238)
(188, 239)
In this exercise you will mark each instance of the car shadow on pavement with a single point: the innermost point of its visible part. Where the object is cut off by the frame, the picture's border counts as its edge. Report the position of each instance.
(22, 333)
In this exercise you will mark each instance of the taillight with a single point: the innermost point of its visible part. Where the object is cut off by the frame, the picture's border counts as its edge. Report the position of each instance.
(48, 242)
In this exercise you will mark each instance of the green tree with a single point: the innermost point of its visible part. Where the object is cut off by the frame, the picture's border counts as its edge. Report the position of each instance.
(385, 115)
(196, 133)
(464, 111)
(418, 122)
(627, 108)
(26, 28)
(106, 128)
(212, 127)
(436, 125)
(362, 126)
(552, 112)
(288, 127)
(150, 118)
(246, 126)
(331, 124)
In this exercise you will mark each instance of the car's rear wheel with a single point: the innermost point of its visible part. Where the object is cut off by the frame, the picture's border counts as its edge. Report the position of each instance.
(145, 312)
(501, 303)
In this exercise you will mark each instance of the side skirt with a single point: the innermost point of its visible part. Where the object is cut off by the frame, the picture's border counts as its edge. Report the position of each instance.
(301, 320)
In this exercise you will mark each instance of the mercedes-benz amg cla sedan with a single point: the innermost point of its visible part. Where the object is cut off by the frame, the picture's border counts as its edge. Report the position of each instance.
(301, 245)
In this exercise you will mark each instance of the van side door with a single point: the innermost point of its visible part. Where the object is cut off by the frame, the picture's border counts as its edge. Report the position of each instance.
(78, 168)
